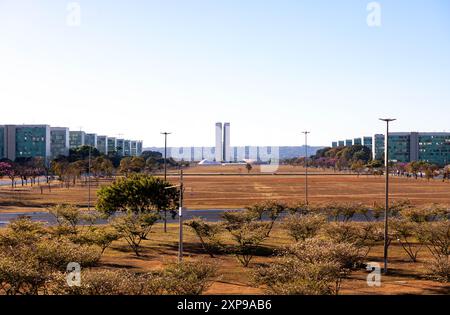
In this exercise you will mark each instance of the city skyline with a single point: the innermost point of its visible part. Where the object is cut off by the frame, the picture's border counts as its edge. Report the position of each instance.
(158, 66)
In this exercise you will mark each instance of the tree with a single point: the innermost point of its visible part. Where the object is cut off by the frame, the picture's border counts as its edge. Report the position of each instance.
(131, 165)
(249, 167)
(301, 227)
(82, 153)
(138, 194)
(246, 233)
(404, 231)
(207, 234)
(7, 169)
(267, 210)
(135, 227)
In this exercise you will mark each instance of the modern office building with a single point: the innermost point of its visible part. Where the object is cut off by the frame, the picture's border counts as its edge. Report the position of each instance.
(334, 144)
(102, 144)
(378, 147)
(227, 156)
(434, 147)
(127, 148)
(26, 141)
(112, 144)
(91, 140)
(348, 142)
(120, 147)
(357, 141)
(139, 148)
(59, 141)
(404, 147)
(77, 139)
(367, 142)
(133, 145)
(341, 143)
(219, 145)
(23, 141)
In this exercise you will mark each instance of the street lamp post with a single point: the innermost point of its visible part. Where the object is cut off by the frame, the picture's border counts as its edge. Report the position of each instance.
(180, 216)
(386, 210)
(165, 173)
(89, 180)
(306, 165)
(180, 219)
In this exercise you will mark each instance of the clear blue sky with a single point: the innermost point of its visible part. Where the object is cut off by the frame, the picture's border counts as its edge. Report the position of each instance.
(271, 68)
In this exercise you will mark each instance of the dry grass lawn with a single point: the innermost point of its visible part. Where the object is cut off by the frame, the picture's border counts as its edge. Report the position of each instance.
(404, 278)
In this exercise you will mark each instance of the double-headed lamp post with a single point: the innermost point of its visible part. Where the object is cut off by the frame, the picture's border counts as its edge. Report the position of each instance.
(306, 165)
(165, 173)
(386, 210)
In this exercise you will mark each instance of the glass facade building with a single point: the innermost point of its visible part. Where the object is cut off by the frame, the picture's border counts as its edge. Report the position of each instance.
(139, 148)
(120, 146)
(90, 139)
(24, 141)
(102, 144)
(59, 141)
(127, 148)
(367, 142)
(112, 144)
(77, 139)
(434, 148)
(134, 148)
(357, 141)
(404, 147)
(32, 141)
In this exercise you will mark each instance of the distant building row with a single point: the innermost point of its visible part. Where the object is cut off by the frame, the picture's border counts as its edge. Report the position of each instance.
(50, 142)
(431, 147)
(237, 153)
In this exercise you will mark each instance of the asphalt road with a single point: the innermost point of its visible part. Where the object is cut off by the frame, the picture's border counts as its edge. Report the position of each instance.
(210, 215)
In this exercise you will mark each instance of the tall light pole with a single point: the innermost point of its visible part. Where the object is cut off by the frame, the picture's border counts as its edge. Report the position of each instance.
(306, 165)
(180, 215)
(89, 180)
(386, 210)
(180, 219)
(165, 173)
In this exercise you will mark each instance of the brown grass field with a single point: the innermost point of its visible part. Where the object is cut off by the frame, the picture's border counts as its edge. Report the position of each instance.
(234, 190)
(404, 278)
(237, 189)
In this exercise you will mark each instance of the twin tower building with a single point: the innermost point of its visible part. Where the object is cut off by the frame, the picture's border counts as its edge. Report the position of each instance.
(223, 149)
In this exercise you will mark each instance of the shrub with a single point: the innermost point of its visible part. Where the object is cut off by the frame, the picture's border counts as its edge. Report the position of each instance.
(112, 282)
(267, 210)
(440, 269)
(360, 234)
(21, 232)
(246, 233)
(299, 208)
(58, 253)
(102, 237)
(301, 227)
(404, 230)
(436, 236)
(311, 267)
(188, 278)
(207, 234)
(23, 275)
(425, 214)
